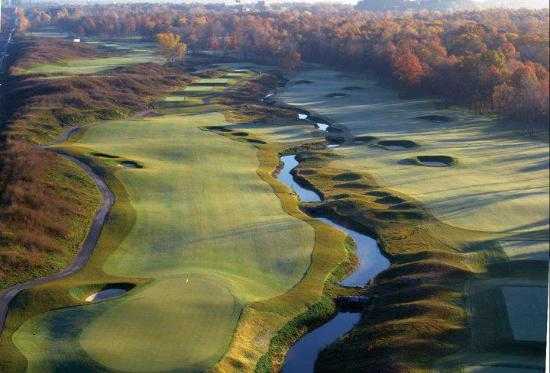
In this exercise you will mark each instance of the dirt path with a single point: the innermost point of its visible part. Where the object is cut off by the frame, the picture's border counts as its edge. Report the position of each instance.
(87, 247)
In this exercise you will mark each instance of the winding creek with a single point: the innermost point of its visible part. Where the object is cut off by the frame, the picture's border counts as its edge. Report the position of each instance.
(302, 356)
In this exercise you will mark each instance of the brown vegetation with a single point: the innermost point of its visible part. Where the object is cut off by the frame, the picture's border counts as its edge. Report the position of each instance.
(48, 50)
(45, 207)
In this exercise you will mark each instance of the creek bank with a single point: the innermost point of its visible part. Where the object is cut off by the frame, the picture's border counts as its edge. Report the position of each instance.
(302, 356)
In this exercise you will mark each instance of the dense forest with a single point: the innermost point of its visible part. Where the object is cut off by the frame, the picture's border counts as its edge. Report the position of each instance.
(492, 61)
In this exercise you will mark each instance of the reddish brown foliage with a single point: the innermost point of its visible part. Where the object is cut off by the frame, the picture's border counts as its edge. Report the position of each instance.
(474, 58)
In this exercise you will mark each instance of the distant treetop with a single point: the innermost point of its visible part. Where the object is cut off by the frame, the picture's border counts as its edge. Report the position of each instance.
(415, 5)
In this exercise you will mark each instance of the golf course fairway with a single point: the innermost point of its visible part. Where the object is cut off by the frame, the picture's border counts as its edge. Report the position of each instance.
(222, 268)
(494, 181)
(206, 249)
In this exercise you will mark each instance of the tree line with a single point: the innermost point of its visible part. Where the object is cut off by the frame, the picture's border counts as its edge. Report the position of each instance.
(492, 61)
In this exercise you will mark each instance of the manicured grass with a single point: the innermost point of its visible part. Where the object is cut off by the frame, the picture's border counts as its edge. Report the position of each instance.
(126, 52)
(442, 226)
(89, 66)
(499, 184)
(205, 251)
(170, 324)
(239, 279)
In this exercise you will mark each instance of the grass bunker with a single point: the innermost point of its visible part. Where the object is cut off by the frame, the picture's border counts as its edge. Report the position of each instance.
(365, 139)
(431, 161)
(398, 144)
(435, 118)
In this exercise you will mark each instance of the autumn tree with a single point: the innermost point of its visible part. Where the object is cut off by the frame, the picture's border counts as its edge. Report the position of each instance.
(172, 46)
(495, 60)
(407, 68)
(23, 22)
(291, 60)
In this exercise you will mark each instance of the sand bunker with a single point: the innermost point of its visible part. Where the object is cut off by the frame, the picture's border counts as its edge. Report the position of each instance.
(131, 164)
(109, 291)
(322, 126)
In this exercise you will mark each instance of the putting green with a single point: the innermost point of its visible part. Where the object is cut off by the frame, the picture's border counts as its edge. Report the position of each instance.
(498, 186)
(157, 330)
(209, 232)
